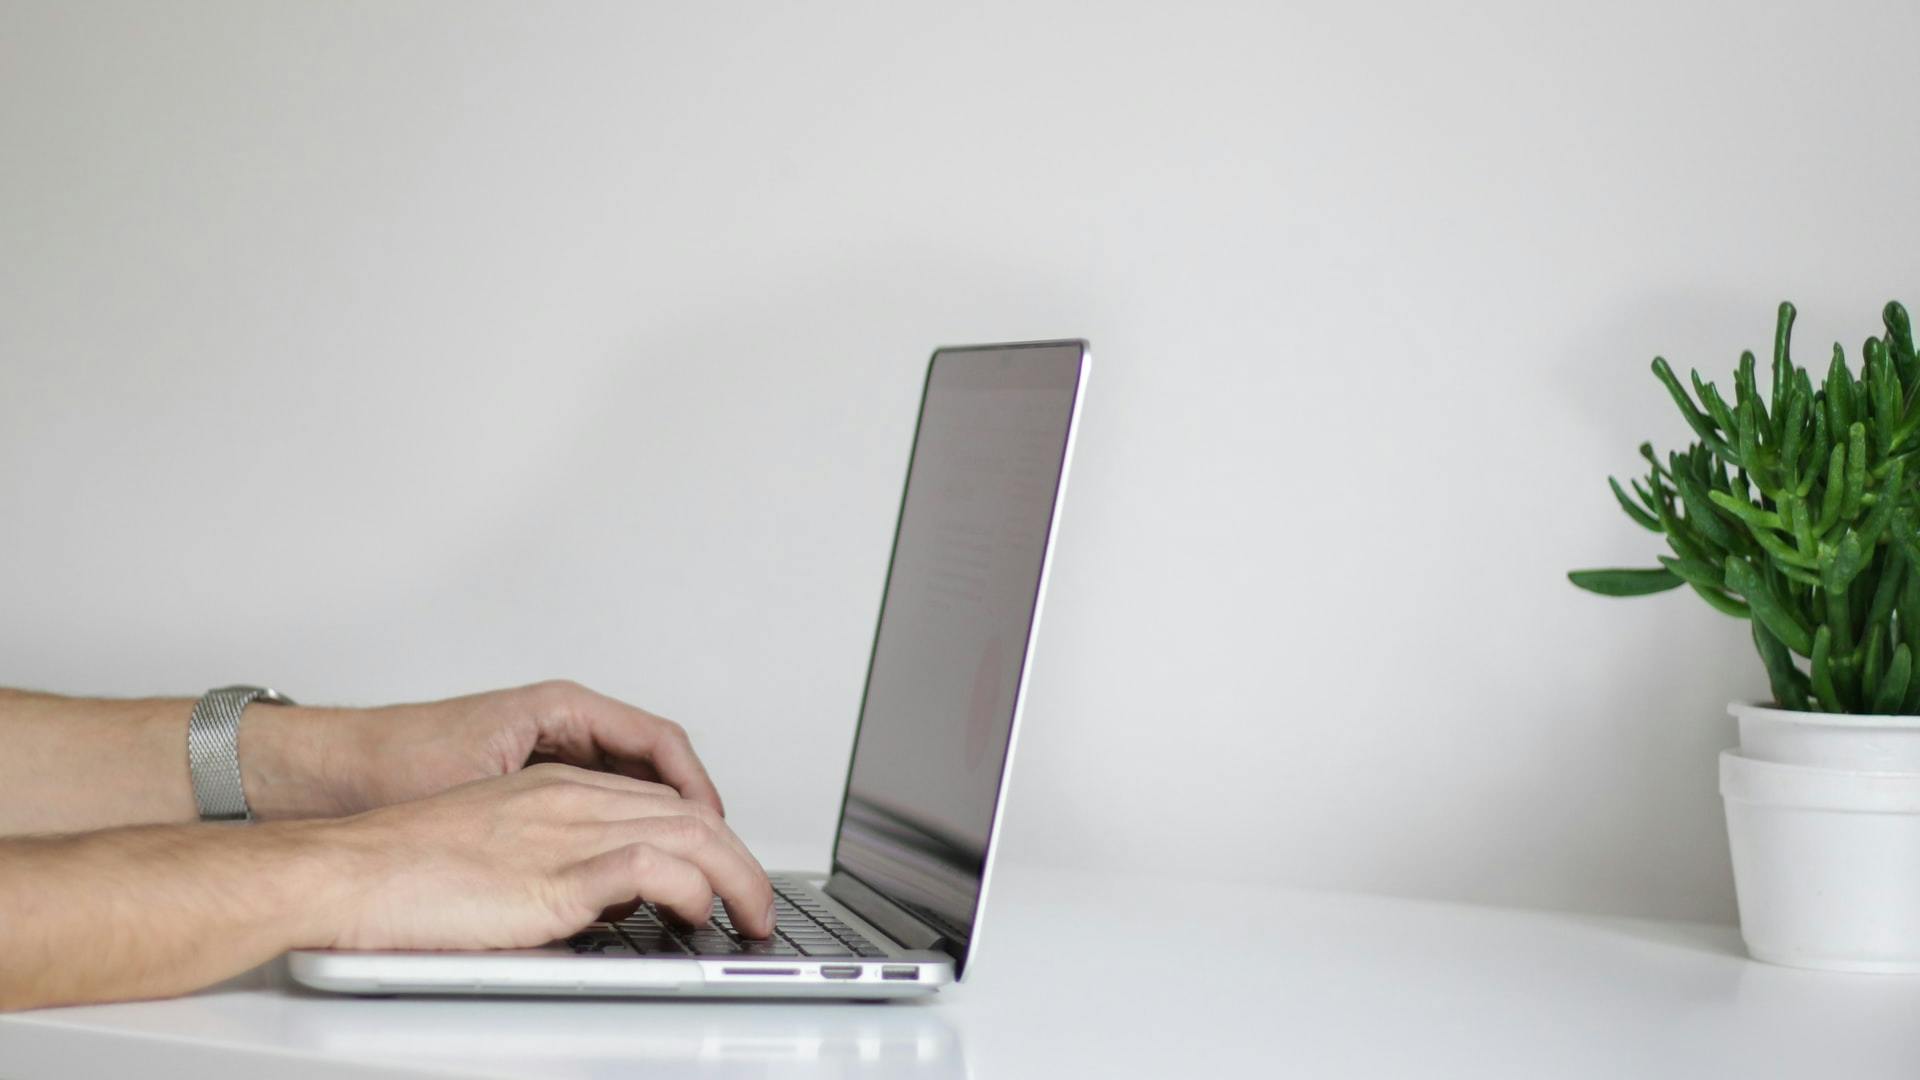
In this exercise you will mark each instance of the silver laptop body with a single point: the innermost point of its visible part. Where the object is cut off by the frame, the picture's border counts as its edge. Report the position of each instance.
(938, 720)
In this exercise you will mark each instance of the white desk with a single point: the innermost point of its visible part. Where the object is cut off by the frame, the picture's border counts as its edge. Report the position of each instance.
(1080, 978)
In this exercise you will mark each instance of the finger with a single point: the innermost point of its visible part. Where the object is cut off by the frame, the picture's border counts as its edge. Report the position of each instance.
(643, 871)
(610, 803)
(732, 872)
(564, 748)
(639, 770)
(605, 813)
(617, 782)
(603, 798)
(630, 736)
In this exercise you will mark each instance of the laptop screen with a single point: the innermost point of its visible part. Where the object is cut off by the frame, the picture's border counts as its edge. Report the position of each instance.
(956, 623)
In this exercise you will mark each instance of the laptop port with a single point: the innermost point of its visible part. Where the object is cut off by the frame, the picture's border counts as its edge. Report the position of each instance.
(759, 971)
(840, 971)
(901, 971)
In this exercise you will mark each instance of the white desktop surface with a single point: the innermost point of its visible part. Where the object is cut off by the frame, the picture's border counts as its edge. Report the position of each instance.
(1100, 975)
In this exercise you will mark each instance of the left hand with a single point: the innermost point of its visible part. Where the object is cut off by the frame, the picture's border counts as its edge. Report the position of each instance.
(305, 762)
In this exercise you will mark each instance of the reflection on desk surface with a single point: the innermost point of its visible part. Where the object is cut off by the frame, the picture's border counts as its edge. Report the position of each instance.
(581, 1037)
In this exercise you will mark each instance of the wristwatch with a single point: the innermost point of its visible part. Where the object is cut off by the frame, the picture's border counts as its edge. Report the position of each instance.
(213, 755)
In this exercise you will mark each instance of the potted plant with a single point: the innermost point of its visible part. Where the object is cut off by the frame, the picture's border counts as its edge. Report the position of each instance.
(1797, 509)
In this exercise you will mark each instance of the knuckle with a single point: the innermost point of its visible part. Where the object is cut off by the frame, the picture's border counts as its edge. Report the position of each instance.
(699, 894)
(559, 695)
(689, 831)
(561, 795)
(642, 860)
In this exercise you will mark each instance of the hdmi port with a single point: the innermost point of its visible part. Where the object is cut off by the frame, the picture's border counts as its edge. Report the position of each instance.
(840, 971)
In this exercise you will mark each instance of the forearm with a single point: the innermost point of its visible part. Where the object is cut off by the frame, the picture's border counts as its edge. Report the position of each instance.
(161, 910)
(74, 764)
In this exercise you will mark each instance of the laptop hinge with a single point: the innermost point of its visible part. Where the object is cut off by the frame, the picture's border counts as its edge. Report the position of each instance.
(893, 920)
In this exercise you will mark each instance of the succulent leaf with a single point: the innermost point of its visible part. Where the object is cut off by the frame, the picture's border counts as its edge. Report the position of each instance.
(1790, 686)
(1696, 420)
(1893, 684)
(1624, 582)
(1900, 340)
(1822, 671)
(1782, 339)
(1768, 608)
(1645, 519)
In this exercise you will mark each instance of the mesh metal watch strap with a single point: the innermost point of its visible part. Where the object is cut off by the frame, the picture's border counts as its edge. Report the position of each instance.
(213, 755)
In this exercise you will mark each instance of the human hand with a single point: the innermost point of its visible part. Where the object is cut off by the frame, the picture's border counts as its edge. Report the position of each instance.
(305, 762)
(521, 860)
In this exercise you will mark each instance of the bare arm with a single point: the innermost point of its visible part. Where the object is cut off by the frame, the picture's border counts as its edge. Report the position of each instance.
(156, 910)
(506, 862)
(74, 764)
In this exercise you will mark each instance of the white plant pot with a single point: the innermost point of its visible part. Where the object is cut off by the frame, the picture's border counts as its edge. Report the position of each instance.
(1829, 740)
(1823, 818)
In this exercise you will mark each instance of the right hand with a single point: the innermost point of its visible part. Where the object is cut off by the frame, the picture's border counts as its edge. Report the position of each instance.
(520, 860)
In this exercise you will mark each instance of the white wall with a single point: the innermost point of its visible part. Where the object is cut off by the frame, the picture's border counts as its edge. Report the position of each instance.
(386, 351)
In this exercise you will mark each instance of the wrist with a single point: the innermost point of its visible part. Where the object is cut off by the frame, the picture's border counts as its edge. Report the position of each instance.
(320, 873)
(301, 762)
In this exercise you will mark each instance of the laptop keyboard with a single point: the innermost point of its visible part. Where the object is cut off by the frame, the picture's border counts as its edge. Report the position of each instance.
(803, 926)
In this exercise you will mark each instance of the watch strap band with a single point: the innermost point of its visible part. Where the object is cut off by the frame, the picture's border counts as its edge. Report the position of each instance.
(213, 750)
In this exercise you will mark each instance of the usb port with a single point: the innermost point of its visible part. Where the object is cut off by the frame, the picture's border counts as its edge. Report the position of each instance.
(840, 971)
(900, 971)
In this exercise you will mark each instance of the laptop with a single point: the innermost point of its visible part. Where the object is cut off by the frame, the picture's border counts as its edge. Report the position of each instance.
(900, 913)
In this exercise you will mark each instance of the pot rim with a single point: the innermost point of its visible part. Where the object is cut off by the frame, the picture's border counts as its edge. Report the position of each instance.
(1778, 785)
(1741, 710)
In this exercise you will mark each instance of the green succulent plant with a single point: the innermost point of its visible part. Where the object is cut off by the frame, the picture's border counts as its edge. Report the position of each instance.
(1796, 509)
